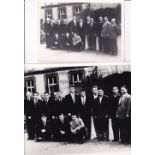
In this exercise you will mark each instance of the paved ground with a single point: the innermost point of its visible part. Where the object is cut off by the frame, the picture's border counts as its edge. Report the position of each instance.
(52, 148)
(92, 146)
(50, 56)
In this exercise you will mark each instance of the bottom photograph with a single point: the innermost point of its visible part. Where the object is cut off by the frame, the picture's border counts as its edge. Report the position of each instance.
(77, 109)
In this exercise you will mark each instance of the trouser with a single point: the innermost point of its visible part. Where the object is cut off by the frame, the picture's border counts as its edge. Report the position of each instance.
(115, 128)
(77, 137)
(101, 128)
(100, 42)
(125, 130)
(48, 41)
(78, 46)
(30, 124)
(106, 44)
(92, 42)
(113, 46)
(87, 122)
(83, 41)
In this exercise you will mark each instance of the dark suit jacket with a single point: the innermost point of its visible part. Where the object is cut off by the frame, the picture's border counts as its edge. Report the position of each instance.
(91, 29)
(101, 109)
(99, 28)
(58, 28)
(71, 107)
(84, 110)
(81, 29)
(113, 105)
(124, 107)
(73, 27)
(113, 31)
(63, 126)
(47, 28)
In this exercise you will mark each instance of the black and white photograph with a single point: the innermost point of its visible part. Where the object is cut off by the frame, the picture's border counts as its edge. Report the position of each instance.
(77, 109)
(81, 31)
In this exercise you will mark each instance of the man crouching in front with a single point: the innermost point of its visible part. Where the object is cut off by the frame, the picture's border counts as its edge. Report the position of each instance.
(77, 130)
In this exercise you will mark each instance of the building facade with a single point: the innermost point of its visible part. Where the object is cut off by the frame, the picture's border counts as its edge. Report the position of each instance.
(53, 79)
(80, 10)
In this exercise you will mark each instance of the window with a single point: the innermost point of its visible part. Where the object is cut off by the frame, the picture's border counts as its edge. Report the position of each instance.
(51, 83)
(48, 13)
(77, 10)
(76, 77)
(62, 12)
(30, 84)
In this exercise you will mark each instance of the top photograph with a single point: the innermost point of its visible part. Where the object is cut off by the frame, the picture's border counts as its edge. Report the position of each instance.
(81, 32)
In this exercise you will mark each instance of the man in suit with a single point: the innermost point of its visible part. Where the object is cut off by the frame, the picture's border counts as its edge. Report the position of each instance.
(71, 101)
(84, 110)
(91, 33)
(37, 112)
(68, 41)
(113, 32)
(56, 41)
(53, 113)
(124, 115)
(99, 26)
(81, 32)
(47, 29)
(101, 115)
(52, 30)
(62, 129)
(42, 129)
(113, 105)
(74, 26)
(87, 25)
(28, 111)
(105, 35)
(93, 97)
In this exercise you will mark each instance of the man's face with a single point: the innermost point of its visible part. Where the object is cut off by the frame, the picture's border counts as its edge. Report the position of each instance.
(60, 94)
(36, 97)
(81, 20)
(123, 90)
(83, 93)
(74, 117)
(100, 92)
(100, 19)
(95, 90)
(72, 89)
(88, 18)
(28, 94)
(91, 20)
(74, 17)
(61, 117)
(105, 19)
(115, 90)
(46, 96)
(56, 95)
(113, 21)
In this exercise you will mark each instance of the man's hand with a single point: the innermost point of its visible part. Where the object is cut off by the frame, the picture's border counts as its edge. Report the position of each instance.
(62, 132)
(43, 130)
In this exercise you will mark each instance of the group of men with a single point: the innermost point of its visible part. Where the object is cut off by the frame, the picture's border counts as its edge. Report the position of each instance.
(69, 118)
(72, 35)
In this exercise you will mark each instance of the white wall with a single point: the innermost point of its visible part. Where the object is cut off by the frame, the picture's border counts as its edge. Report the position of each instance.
(40, 83)
(63, 82)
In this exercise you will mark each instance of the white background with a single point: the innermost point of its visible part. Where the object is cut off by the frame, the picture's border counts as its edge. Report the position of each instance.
(12, 77)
